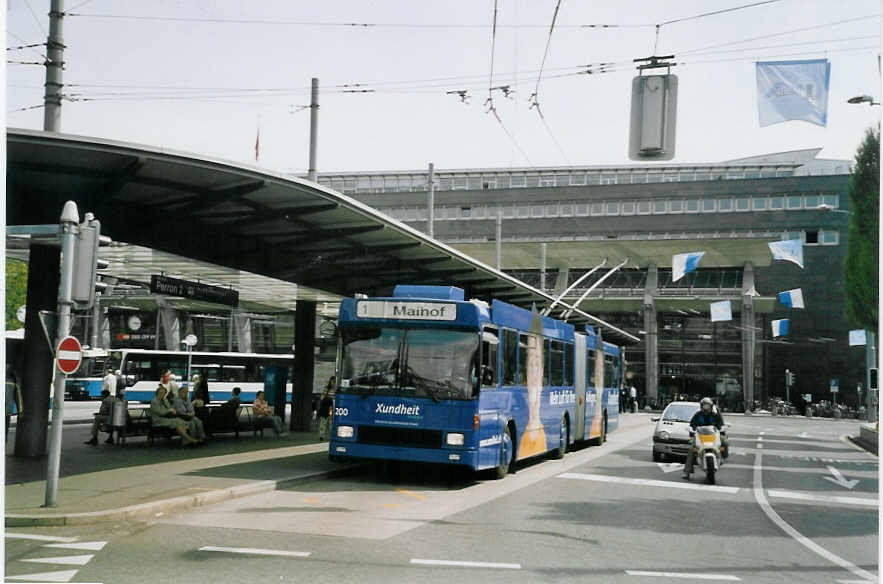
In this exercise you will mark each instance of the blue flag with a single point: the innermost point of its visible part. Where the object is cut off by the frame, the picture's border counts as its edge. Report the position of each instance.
(792, 298)
(793, 90)
(780, 327)
(791, 251)
(684, 263)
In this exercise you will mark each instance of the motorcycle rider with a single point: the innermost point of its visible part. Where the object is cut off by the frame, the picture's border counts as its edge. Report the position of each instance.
(708, 415)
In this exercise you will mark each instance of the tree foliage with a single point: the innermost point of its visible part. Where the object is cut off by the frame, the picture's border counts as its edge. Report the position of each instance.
(16, 291)
(862, 257)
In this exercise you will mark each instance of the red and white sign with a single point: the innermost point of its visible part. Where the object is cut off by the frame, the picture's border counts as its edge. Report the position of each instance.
(69, 355)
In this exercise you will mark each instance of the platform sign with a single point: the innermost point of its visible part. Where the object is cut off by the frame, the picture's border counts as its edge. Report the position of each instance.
(835, 385)
(68, 355)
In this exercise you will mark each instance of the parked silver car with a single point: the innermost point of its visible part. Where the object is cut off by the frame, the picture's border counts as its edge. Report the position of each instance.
(671, 438)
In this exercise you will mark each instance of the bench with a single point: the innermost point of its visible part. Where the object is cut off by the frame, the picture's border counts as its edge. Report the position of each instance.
(218, 420)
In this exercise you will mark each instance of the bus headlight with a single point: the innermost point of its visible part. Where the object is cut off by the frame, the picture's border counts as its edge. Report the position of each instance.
(344, 431)
(455, 439)
(663, 435)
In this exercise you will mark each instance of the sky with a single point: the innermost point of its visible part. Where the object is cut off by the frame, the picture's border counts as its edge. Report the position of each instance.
(201, 76)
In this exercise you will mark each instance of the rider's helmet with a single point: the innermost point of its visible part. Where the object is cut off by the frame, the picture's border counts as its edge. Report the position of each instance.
(706, 405)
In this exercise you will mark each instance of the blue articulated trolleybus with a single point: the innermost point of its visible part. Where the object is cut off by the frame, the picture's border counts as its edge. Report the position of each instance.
(427, 376)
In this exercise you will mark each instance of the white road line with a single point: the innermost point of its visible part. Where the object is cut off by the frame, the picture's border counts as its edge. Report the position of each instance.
(856, 581)
(648, 482)
(64, 560)
(60, 576)
(254, 551)
(93, 546)
(761, 499)
(39, 537)
(464, 564)
(783, 494)
(686, 575)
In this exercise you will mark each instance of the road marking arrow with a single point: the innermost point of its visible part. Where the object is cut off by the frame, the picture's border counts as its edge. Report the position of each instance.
(839, 479)
(668, 467)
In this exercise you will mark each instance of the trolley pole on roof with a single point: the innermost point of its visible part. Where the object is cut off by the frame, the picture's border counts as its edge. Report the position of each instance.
(314, 127)
(54, 68)
(430, 203)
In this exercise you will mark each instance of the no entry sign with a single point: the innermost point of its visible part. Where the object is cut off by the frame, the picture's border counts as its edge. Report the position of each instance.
(68, 355)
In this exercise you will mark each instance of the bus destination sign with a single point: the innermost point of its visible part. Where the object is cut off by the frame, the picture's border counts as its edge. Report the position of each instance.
(406, 310)
(194, 290)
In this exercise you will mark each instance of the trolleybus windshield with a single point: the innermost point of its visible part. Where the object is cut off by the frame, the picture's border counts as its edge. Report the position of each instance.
(431, 362)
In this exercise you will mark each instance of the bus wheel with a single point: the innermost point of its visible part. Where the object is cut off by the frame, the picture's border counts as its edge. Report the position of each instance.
(563, 439)
(506, 453)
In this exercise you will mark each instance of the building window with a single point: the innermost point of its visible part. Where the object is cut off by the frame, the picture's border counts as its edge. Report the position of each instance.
(784, 173)
(684, 176)
(670, 177)
(608, 179)
(593, 178)
(660, 207)
(628, 208)
(508, 212)
(611, 208)
(811, 237)
(410, 214)
(743, 204)
(735, 174)
(639, 178)
(794, 201)
(789, 235)
(391, 184)
(444, 183)
(461, 183)
(758, 203)
(523, 211)
(582, 210)
(597, 209)
(703, 176)
(676, 206)
(777, 202)
(488, 183)
(480, 212)
(654, 177)
(709, 205)
(643, 207)
(692, 205)
(830, 237)
(532, 181)
(577, 179)
(832, 200)
(811, 201)
(725, 205)
(552, 210)
(547, 181)
(566, 210)
(517, 181)
(536, 210)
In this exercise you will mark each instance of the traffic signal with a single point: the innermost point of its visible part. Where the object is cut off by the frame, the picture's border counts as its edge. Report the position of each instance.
(873, 376)
(86, 263)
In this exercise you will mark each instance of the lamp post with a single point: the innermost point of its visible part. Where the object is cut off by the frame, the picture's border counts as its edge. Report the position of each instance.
(189, 340)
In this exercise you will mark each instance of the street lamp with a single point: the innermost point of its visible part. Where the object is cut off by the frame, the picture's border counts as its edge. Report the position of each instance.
(831, 208)
(863, 99)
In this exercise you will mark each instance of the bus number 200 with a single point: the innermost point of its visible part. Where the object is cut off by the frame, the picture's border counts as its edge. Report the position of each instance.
(342, 412)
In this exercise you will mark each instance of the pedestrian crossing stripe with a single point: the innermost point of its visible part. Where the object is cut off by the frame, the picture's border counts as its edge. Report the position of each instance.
(80, 545)
(60, 576)
(64, 560)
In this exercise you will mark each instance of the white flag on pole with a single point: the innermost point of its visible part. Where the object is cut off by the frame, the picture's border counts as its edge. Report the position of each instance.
(720, 311)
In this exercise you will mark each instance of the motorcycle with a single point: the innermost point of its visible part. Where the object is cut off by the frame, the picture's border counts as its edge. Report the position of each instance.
(708, 453)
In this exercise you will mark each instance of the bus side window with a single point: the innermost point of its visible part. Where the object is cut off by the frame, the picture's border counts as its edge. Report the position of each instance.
(522, 359)
(489, 346)
(509, 356)
(546, 352)
(568, 364)
(590, 369)
(556, 360)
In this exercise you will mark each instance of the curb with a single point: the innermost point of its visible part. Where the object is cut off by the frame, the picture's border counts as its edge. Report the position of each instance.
(155, 509)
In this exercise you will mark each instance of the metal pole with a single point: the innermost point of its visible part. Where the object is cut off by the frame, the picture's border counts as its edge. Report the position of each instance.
(870, 359)
(314, 126)
(54, 68)
(189, 362)
(70, 217)
(499, 238)
(430, 202)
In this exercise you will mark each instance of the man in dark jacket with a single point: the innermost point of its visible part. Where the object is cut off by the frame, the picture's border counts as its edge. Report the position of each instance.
(707, 415)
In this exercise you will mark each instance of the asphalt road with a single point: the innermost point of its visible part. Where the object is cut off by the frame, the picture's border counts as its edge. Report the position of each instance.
(794, 502)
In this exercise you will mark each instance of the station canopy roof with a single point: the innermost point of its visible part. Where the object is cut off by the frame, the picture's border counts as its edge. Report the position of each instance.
(275, 238)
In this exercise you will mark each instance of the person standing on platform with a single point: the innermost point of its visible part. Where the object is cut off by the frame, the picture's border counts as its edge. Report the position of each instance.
(109, 382)
(325, 407)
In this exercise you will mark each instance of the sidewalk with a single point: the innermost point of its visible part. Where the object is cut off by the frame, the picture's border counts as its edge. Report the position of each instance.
(139, 482)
